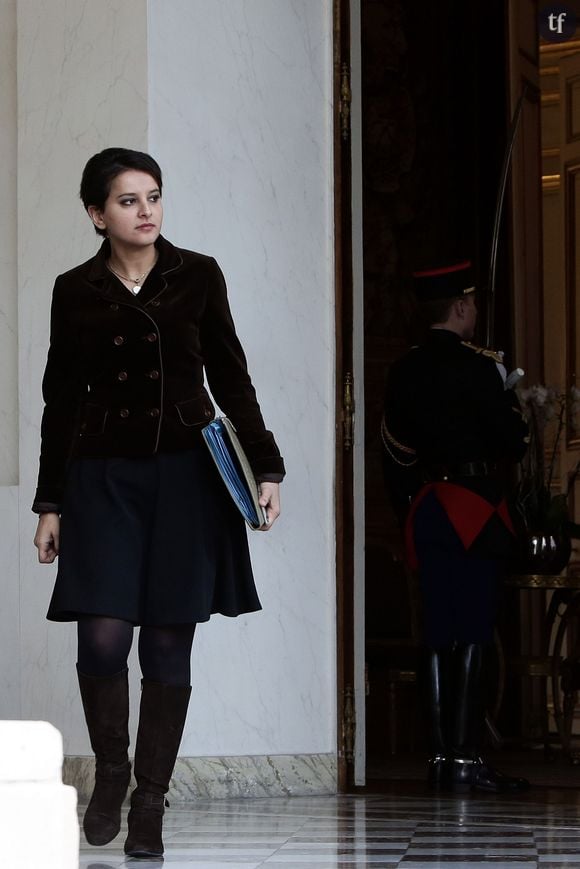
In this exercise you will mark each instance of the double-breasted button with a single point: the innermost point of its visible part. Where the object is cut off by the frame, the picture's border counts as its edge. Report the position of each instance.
(153, 411)
(114, 306)
(155, 303)
(207, 413)
(118, 340)
(124, 413)
(153, 374)
(122, 375)
(151, 337)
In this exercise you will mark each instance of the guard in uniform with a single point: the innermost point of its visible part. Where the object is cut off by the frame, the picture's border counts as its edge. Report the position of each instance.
(449, 429)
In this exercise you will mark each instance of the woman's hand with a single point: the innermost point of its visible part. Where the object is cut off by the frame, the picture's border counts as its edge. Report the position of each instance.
(46, 538)
(270, 500)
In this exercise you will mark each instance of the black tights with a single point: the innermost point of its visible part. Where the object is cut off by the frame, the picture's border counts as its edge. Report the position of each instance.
(164, 651)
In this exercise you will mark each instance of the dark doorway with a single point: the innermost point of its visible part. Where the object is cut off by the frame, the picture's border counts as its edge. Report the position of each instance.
(434, 126)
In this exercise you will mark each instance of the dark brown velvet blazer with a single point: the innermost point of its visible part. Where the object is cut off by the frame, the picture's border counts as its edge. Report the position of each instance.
(124, 375)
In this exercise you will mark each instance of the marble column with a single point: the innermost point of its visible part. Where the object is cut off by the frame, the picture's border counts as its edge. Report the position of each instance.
(241, 121)
(82, 86)
(9, 582)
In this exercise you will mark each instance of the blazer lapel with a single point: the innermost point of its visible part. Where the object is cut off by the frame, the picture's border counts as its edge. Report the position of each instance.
(156, 283)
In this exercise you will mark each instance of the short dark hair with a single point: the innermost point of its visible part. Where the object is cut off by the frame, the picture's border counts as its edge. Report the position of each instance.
(103, 168)
(436, 310)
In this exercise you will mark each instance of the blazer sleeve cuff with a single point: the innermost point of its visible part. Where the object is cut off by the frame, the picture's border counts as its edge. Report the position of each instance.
(268, 468)
(41, 507)
(48, 499)
(270, 478)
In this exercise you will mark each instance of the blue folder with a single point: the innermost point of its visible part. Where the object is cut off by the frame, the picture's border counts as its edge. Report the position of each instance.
(234, 468)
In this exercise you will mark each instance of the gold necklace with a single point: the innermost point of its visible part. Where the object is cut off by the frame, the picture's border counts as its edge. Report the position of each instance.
(137, 281)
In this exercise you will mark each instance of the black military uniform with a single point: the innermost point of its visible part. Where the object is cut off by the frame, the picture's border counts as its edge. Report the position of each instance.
(449, 427)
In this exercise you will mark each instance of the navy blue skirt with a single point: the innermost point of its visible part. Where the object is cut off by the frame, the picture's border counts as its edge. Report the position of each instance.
(154, 541)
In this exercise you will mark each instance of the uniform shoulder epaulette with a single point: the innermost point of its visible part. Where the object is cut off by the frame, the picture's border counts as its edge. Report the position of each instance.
(483, 351)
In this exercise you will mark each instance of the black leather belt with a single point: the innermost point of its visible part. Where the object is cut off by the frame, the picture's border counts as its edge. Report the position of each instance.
(463, 469)
(474, 469)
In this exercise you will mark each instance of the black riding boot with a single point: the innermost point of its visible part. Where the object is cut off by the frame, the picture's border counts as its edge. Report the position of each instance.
(469, 770)
(106, 705)
(161, 721)
(437, 674)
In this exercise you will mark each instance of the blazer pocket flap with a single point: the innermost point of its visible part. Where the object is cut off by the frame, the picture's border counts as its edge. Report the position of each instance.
(93, 419)
(196, 411)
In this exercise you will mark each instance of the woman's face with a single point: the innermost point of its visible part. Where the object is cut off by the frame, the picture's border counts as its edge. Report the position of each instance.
(133, 212)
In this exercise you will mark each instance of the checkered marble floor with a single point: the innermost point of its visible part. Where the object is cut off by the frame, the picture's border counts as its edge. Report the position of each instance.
(343, 832)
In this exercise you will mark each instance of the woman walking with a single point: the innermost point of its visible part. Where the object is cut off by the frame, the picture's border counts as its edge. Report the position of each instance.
(127, 494)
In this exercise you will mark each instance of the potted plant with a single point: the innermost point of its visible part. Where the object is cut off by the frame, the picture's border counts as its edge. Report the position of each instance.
(547, 527)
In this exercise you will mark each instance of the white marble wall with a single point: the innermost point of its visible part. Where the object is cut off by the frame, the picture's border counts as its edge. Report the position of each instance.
(240, 119)
(82, 86)
(8, 288)
(234, 98)
(9, 591)
(10, 633)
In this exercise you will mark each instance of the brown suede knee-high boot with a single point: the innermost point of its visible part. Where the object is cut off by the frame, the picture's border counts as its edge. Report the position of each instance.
(161, 721)
(106, 705)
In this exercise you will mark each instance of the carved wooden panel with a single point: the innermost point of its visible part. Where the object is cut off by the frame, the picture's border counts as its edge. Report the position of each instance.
(572, 265)
(569, 67)
(572, 109)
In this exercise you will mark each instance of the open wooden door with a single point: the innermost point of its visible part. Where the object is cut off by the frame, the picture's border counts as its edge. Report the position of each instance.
(433, 125)
(526, 278)
(570, 242)
(560, 77)
(526, 191)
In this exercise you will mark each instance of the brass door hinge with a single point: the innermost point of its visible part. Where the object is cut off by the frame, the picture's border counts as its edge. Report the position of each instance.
(347, 411)
(348, 724)
(345, 101)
